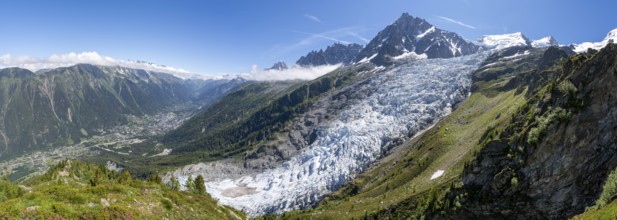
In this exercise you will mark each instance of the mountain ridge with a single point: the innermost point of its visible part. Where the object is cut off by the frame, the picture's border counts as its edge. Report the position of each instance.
(336, 53)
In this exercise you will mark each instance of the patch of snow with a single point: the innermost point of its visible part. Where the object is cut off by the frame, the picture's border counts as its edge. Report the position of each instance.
(164, 153)
(527, 52)
(388, 108)
(544, 42)
(430, 30)
(437, 174)
(367, 59)
(411, 55)
(612, 35)
(498, 42)
(454, 48)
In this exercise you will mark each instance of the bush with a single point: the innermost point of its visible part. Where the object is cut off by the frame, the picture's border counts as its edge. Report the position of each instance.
(557, 114)
(514, 181)
(167, 204)
(9, 190)
(174, 184)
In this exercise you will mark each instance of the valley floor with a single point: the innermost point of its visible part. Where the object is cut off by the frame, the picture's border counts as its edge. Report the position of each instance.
(119, 140)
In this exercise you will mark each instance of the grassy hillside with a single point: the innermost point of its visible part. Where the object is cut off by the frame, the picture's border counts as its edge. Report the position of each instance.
(79, 190)
(401, 185)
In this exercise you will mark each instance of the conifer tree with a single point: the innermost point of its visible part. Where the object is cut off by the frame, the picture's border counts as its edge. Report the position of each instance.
(190, 184)
(200, 185)
(174, 184)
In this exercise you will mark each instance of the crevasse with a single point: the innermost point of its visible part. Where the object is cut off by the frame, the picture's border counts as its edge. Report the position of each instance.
(394, 104)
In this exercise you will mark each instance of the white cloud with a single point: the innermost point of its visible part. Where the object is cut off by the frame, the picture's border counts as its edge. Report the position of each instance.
(70, 59)
(322, 36)
(359, 37)
(313, 18)
(295, 72)
(456, 22)
(332, 35)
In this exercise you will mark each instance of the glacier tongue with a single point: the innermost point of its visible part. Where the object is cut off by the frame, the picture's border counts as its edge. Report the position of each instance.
(391, 106)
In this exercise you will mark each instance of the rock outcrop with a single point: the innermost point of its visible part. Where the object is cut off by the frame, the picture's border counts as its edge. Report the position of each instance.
(552, 160)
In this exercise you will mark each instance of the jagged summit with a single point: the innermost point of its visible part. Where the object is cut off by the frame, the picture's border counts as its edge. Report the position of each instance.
(280, 65)
(414, 37)
(545, 42)
(334, 54)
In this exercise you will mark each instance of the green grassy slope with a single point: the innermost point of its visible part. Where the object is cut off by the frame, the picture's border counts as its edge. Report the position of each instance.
(607, 212)
(79, 190)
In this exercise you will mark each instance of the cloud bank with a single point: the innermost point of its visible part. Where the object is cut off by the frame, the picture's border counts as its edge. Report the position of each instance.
(70, 59)
(295, 72)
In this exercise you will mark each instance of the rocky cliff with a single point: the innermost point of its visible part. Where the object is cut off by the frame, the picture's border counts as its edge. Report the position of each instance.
(554, 157)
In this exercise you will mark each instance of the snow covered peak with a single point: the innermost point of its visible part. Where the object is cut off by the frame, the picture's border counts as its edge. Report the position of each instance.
(413, 37)
(545, 42)
(612, 35)
(502, 41)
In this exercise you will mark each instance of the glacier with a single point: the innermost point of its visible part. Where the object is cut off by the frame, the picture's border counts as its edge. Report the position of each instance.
(389, 107)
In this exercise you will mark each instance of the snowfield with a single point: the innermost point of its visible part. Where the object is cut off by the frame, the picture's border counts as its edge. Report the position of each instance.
(389, 108)
(498, 42)
(611, 36)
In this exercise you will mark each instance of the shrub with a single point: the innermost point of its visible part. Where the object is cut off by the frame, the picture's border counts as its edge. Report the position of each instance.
(174, 184)
(609, 191)
(9, 190)
(514, 181)
(167, 204)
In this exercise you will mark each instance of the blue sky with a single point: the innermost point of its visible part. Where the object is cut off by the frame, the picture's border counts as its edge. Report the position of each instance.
(222, 36)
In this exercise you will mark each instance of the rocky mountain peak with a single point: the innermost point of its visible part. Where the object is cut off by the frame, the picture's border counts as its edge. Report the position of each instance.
(413, 37)
(280, 65)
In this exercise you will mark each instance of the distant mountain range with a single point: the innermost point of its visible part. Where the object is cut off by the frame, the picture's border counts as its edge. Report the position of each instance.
(60, 106)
